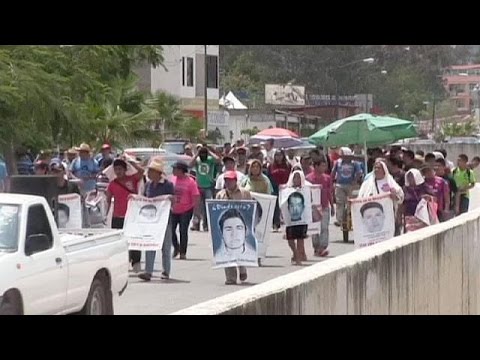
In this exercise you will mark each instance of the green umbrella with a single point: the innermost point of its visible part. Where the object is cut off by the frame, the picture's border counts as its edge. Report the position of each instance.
(364, 129)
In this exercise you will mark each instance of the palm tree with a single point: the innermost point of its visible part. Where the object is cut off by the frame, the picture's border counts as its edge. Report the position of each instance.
(168, 112)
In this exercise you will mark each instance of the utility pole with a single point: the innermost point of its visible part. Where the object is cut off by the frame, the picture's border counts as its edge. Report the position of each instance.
(205, 110)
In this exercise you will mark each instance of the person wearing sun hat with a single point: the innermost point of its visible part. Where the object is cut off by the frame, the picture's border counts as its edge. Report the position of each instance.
(158, 185)
(85, 168)
(105, 153)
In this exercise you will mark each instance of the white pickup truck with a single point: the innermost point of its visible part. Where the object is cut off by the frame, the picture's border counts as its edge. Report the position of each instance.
(44, 271)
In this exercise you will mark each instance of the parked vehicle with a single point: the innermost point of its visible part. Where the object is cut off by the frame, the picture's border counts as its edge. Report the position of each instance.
(174, 146)
(46, 271)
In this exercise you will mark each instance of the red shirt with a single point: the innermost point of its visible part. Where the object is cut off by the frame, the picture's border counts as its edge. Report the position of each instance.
(326, 183)
(185, 192)
(120, 194)
(279, 173)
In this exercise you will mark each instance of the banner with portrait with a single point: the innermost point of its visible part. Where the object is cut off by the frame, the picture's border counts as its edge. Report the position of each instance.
(69, 211)
(373, 220)
(315, 226)
(231, 224)
(263, 221)
(146, 222)
(296, 206)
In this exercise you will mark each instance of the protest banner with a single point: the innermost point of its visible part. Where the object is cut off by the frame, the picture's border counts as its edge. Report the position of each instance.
(69, 211)
(263, 221)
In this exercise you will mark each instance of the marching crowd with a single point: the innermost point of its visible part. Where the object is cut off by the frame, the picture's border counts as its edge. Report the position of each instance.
(233, 172)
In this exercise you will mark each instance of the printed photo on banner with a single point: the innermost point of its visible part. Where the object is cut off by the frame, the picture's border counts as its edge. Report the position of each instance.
(296, 206)
(315, 226)
(69, 211)
(373, 220)
(263, 221)
(146, 222)
(231, 225)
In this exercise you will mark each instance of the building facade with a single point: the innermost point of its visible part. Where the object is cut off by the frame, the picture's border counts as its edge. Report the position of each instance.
(461, 83)
(183, 76)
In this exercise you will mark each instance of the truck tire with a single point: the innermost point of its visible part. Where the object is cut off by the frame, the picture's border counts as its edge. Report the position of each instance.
(99, 300)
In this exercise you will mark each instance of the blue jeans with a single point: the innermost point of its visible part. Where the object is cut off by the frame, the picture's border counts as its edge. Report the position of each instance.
(183, 220)
(166, 254)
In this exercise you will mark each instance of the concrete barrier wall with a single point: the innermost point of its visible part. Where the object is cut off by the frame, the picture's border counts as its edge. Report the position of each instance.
(453, 150)
(435, 270)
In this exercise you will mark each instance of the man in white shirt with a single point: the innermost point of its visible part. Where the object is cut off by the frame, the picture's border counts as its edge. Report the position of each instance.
(269, 152)
(229, 165)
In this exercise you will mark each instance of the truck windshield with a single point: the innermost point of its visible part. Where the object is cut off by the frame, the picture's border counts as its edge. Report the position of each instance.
(9, 227)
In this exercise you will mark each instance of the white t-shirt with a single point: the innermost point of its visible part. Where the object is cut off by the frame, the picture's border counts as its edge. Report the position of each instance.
(220, 184)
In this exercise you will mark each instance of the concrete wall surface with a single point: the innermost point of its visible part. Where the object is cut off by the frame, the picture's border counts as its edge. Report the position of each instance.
(435, 270)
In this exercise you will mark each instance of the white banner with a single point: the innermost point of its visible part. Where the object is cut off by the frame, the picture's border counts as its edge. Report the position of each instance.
(263, 221)
(373, 220)
(69, 211)
(146, 222)
(296, 206)
(315, 226)
(233, 237)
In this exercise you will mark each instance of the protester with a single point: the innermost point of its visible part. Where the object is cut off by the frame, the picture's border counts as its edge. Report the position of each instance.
(68, 158)
(233, 192)
(297, 234)
(465, 181)
(278, 173)
(204, 162)
(256, 181)
(420, 153)
(106, 153)
(24, 163)
(242, 165)
(227, 148)
(430, 159)
(375, 153)
(120, 189)
(157, 186)
(415, 190)
(345, 174)
(450, 165)
(408, 160)
(85, 168)
(306, 163)
(441, 170)
(40, 168)
(320, 177)
(187, 197)
(440, 190)
(474, 163)
(229, 165)
(292, 159)
(381, 183)
(187, 150)
(418, 162)
(395, 166)
(269, 151)
(256, 153)
(64, 186)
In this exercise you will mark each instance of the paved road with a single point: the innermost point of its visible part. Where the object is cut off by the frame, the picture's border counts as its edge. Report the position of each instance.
(194, 281)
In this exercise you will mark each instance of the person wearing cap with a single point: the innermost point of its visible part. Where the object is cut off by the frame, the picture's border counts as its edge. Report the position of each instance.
(120, 189)
(158, 185)
(106, 153)
(64, 186)
(256, 152)
(242, 165)
(233, 192)
(205, 163)
(85, 168)
(187, 197)
(345, 175)
(229, 164)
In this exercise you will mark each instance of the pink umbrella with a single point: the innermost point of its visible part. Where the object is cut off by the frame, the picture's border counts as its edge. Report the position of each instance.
(278, 132)
(283, 138)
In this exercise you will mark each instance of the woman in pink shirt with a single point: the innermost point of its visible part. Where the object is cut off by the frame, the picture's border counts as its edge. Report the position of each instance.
(320, 177)
(186, 198)
(440, 190)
